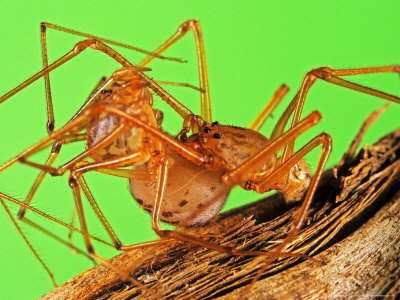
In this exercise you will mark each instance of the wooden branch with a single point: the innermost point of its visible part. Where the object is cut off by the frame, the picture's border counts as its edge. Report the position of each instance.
(353, 227)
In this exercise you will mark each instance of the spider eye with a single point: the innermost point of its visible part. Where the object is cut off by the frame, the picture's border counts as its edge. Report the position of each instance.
(217, 136)
(214, 123)
(109, 92)
(207, 130)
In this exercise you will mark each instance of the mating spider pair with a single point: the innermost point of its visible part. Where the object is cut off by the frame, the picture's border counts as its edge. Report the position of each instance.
(184, 180)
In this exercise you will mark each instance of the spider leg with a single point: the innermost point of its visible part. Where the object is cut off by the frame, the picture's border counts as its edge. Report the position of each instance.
(45, 142)
(39, 179)
(55, 237)
(285, 167)
(136, 174)
(332, 76)
(76, 185)
(97, 45)
(117, 132)
(28, 243)
(49, 162)
(44, 26)
(254, 163)
(205, 104)
(77, 174)
(28, 207)
(79, 168)
(22, 204)
(269, 108)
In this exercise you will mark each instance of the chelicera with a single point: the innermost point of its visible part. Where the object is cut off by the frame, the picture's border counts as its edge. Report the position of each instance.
(183, 180)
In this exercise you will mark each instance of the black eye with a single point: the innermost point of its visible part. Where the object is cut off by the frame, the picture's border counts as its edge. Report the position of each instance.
(217, 136)
(109, 92)
(207, 130)
(214, 123)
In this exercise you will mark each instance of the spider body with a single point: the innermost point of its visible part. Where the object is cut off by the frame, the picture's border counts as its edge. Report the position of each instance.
(130, 94)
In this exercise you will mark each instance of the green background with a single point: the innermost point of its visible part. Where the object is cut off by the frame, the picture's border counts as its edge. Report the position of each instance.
(252, 47)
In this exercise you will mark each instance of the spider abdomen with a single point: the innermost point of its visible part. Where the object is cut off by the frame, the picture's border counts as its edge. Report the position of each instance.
(193, 194)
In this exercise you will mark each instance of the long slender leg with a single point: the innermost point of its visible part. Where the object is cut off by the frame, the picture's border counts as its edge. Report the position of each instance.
(112, 136)
(58, 239)
(28, 243)
(180, 84)
(302, 213)
(126, 173)
(103, 82)
(44, 26)
(52, 157)
(119, 161)
(332, 76)
(94, 44)
(131, 159)
(68, 226)
(205, 104)
(28, 207)
(264, 183)
(70, 232)
(269, 108)
(117, 243)
(50, 160)
(84, 231)
(45, 141)
(254, 163)
(186, 152)
(74, 184)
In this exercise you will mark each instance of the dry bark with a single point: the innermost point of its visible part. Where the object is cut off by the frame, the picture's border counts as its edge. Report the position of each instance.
(352, 226)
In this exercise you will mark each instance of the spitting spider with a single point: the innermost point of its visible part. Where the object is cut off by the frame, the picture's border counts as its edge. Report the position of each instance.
(183, 180)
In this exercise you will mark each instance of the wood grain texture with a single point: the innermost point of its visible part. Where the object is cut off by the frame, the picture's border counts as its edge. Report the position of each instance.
(352, 227)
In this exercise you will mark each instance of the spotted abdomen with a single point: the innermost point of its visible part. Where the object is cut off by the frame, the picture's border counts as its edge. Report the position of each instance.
(193, 194)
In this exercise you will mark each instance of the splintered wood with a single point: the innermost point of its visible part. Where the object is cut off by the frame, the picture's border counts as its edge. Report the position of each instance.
(352, 228)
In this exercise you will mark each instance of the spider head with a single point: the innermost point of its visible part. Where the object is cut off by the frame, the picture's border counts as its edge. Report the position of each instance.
(233, 145)
(210, 134)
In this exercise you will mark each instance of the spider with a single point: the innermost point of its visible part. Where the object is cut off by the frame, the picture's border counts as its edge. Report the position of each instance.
(183, 180)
